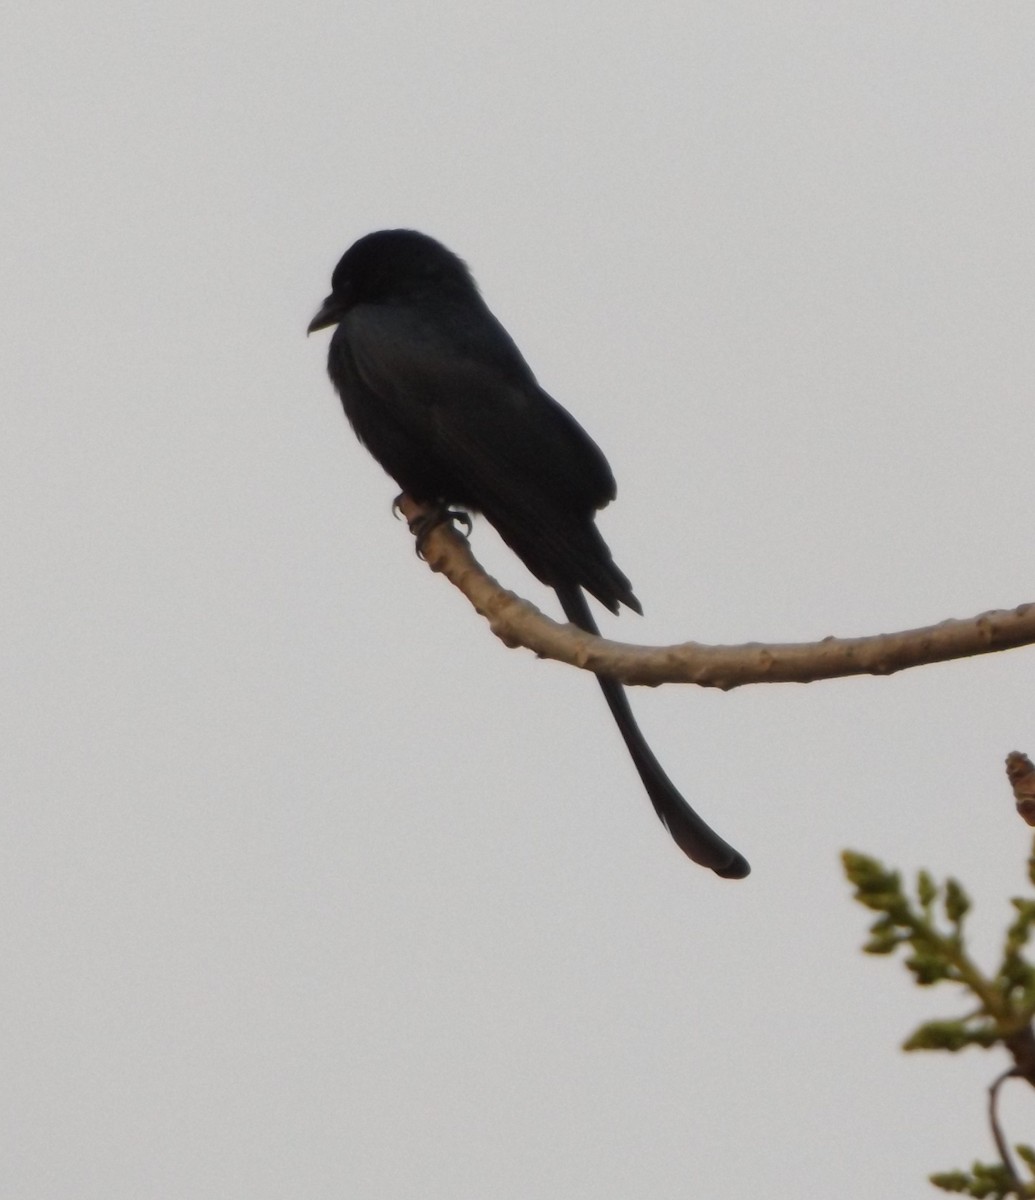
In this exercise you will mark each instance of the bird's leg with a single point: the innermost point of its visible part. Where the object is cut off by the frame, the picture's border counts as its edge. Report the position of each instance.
(433, 515)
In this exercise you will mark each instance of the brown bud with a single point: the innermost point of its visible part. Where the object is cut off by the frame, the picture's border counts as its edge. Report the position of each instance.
(1021, 774)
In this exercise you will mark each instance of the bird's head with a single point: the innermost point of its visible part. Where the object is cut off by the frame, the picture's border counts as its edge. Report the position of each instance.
(391, 265)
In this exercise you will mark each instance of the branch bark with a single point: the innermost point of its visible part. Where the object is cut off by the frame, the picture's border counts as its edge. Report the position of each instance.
(516, 622)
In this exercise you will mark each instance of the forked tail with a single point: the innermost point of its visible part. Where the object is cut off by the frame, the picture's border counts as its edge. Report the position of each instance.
(696, 839)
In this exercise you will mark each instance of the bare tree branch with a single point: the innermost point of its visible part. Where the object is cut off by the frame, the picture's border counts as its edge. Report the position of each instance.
(997, 1134)
(516, 622)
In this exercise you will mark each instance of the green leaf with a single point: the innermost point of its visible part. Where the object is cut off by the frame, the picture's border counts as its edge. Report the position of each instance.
(926, 889)
(951, 1036)
(885, 944)
(957, 902)
(950, 1181)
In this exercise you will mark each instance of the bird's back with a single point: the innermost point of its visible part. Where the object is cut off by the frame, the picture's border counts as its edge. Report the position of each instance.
(440, 395)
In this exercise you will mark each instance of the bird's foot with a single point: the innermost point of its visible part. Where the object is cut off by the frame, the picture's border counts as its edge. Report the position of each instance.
(437, 514)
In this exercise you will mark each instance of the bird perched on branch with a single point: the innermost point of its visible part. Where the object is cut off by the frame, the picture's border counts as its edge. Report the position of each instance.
(439, 394)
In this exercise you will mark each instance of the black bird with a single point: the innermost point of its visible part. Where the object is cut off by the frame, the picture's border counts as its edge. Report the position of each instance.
(436, 390)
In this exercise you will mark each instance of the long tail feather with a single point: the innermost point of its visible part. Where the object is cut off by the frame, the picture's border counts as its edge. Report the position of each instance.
(696, 839)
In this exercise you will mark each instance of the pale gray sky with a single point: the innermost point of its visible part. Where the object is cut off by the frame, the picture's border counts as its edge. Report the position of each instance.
(310, 888)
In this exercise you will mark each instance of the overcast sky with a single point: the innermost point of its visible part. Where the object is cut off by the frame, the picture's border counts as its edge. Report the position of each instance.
(308, 887)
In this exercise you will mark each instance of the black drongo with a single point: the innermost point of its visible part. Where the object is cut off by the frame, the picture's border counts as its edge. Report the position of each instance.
(436, 390)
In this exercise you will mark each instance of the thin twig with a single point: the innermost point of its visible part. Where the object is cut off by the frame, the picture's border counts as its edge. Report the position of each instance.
(997, 1133)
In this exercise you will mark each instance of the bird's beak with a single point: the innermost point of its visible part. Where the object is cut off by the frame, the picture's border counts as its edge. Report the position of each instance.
(330, 314)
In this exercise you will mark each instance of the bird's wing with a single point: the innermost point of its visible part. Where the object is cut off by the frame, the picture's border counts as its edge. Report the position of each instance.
(507, 448)
(457, 374)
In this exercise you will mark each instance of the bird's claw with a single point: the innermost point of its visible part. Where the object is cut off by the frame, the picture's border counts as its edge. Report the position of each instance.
(440, 514)
(460, 516)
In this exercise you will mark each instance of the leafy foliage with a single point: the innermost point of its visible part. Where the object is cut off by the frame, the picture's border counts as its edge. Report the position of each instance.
(991, 1180)
(928, 928)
